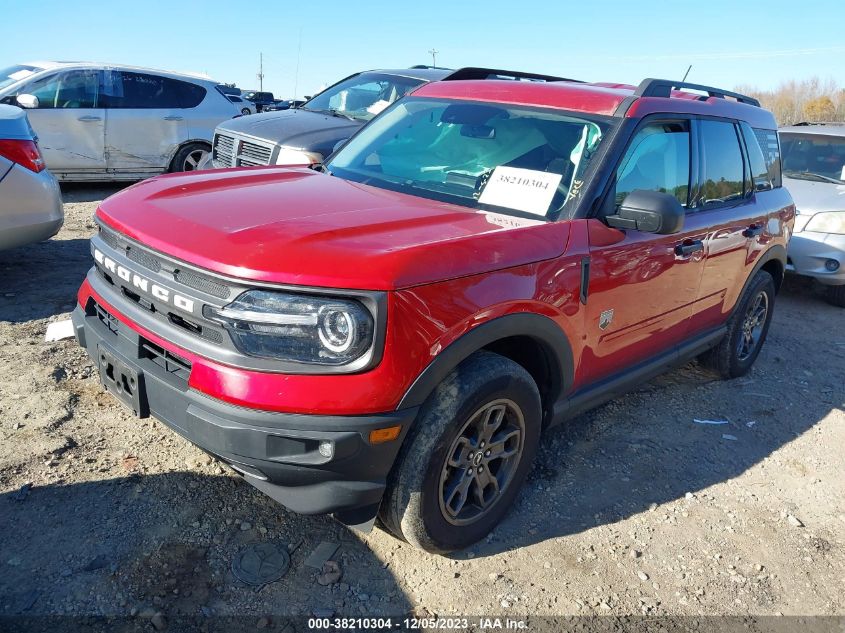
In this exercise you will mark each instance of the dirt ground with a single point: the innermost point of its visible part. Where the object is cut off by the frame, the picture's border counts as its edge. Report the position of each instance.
(631, 509)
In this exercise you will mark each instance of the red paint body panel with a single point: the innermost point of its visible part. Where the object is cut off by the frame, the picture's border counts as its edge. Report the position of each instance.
(565, 95)
(686, 103)
(298, 226)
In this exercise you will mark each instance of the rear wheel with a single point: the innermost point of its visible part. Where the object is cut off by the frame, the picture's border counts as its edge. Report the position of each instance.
(466, 456)
(836, 295)
(747, 330)
(190, 156)
(246, 111)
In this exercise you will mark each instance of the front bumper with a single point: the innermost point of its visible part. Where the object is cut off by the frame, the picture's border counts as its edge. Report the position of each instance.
(808, 252)
(278, 453)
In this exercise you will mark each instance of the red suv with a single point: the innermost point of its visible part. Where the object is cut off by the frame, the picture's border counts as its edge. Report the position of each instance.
(387, 334)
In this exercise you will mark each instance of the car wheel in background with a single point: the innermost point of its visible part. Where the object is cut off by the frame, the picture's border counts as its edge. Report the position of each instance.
(836, 295)
(246, 111)
(747, 329)
(190, 156)
(466, 456)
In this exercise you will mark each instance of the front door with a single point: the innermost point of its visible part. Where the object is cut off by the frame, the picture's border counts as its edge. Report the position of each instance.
(144, 121)
(643, 286)
(70, 121)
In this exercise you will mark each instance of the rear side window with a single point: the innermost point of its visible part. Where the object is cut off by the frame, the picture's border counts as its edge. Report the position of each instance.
(761, 175)
(768, 142)
(143, 91)
(724, 174)
(658, 159)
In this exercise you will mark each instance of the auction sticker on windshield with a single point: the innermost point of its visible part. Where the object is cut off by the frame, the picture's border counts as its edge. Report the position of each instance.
(521, 189)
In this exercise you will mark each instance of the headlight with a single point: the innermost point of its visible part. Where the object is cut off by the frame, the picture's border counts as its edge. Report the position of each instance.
(830, 222)
(298, 328)
(291, 156)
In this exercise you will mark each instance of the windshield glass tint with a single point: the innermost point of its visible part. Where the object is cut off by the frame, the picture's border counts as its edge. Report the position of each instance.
(12, 74)
(476, 155)
(813, 156)
(362, 96)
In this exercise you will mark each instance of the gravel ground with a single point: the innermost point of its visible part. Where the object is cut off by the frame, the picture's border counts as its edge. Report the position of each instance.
(631, 509)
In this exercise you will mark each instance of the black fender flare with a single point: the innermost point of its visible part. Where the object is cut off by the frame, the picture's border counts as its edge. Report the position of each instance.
(776, 252)
(542, 329)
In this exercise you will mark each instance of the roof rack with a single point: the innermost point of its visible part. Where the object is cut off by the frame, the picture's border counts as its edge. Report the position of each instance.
(472, 72)
(426, 67)
(664, 87)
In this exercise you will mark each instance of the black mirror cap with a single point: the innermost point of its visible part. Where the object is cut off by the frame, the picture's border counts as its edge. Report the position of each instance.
(650, 212)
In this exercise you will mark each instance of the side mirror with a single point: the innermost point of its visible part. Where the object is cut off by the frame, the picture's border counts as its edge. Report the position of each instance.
(29, 102)
(339, 144)
(649, 212)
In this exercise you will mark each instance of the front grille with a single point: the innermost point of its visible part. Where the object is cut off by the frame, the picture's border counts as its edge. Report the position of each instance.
(144, 259)
(171, 363)
(105, 318)
(203, 284)
(224, 150)
(253, 154)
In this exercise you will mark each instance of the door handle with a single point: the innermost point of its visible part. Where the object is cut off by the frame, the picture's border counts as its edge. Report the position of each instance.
(90, 118)
(174, 118)
(753, 231)
(688, 248)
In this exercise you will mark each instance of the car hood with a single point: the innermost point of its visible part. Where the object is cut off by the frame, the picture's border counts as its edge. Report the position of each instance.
(298, 226)
(813, 197)
(298, 128)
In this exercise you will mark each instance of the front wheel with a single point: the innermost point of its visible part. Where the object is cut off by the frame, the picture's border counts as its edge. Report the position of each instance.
(466, 457)
(747, 330)
(246, 111)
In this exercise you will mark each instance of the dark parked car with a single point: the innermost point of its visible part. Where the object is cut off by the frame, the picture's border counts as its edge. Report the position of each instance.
(307, 134)
(259, 99)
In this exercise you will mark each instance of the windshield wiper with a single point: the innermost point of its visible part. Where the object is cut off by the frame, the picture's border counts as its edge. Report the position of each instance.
(809, 175)
(331, 112)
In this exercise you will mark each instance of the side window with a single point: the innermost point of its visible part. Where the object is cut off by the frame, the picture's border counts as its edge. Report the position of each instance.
(70, 89)
(768, 141)
(139, 90)
(760, 174)
(657, 159)
(190, 95)
(724, 173)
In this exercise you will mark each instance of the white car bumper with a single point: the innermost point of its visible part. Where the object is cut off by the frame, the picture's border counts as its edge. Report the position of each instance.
(811, 254)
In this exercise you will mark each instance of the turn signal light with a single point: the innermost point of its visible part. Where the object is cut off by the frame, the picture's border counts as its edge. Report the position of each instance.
(24, 153)
(380, 436)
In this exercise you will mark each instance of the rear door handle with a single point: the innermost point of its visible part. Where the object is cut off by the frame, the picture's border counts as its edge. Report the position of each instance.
(90, 117)
(688, 248)
(753, 231)
(174, 118)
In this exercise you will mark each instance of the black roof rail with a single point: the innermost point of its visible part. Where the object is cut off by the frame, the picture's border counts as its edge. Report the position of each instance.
(472, 72)
(664, 87)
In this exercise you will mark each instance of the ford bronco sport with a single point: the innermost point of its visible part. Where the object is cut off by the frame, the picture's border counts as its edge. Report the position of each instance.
(387, 334)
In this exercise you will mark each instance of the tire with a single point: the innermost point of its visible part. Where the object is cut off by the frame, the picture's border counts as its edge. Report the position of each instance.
(189, 157)
(246, 111)
(835, 295)
(747, 330)
(417, 506)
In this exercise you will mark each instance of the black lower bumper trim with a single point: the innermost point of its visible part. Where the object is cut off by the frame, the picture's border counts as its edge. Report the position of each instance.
(278, 453)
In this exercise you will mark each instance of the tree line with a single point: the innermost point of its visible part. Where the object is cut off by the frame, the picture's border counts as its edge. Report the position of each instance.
(795, 100)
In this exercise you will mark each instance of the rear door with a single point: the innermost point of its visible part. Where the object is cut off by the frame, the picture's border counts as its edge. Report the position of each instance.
(642, 288)
(145, 121)
(736, 223)
(70, 121)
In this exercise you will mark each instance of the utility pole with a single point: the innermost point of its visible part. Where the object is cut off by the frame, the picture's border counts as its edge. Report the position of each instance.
(261, 72)
(433, 53)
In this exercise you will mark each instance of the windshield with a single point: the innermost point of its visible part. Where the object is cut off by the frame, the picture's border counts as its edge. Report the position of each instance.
(507, 158)
(814, 157)
(363, 96)
(13, 74)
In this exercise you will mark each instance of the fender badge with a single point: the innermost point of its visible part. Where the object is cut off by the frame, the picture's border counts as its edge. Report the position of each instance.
(605, 319)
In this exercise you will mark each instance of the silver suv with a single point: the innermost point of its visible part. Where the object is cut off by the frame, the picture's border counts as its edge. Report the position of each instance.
(814, 172)
(154, 121)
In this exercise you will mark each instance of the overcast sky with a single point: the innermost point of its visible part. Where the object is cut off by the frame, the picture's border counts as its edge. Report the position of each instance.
(728, 43)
